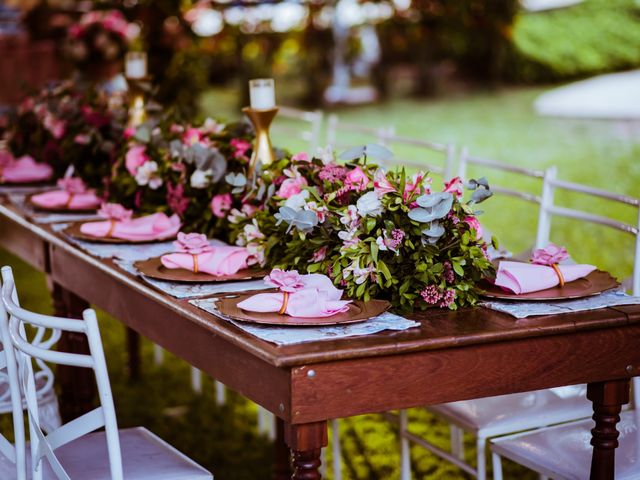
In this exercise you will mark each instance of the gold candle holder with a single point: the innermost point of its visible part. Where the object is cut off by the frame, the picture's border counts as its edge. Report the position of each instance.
(137, 108)
(262, 149)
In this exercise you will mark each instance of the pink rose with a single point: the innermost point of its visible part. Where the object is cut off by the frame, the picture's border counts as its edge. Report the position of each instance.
(220, 204)
(549, 255)
(381, 184)
(115, 211)
(356, 179)
(72, 185)
(291, 186)
(300, 157)
(290, 281)
(454, 186)
(193, 243)
(474, 223)
(136, 157)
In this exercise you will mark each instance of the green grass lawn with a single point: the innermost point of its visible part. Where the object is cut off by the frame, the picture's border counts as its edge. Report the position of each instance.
(498, 125)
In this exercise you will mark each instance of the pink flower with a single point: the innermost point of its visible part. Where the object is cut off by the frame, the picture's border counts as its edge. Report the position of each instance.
(381, 184)
(249, 209)
(176, 128)
(356, 179)
(549, 255)
(240, 147)
(6, 159)
(72, 185)
(474, 223)
(454, 186)
(332, 172)
(129, 132)
(416, 185)
(55, 126)
(290, 281)
(300, 157)
(191, 136)
(115, 211)
(82, 139)
(220, 204)
(136, 157)
(76, 31)
(319, 254)
(291, 186)
(176, 200)
(193, 243)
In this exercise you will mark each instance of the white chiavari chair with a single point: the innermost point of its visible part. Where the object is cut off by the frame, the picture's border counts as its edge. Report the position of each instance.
(292, 123)
(72, 450)
(564, 451)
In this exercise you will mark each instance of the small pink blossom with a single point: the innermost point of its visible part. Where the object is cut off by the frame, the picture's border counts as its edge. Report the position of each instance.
(176, 200)
(115, 211)
(191, 136)
(474, 223)
(240, 147)
(129, 132)
(55, 126)
(417, 185)
(448, 298)
(549, 255)
(136, 157)
(381, 184)
(73, 185)
(249, 209)
(454, 186)
(291, 186)
(320, 254)
(300, 157)
(82, 139)
(431, 294)
(193, 243)
(356, 179)
(220, 204)
(176, 128)
(332, 172)
(178, 167)
(290, 281)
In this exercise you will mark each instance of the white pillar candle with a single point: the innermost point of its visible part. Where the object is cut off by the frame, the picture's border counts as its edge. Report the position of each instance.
(262, 93)
(135, 65)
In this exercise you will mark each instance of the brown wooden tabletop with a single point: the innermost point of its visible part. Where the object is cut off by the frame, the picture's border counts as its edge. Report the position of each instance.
(451, 356)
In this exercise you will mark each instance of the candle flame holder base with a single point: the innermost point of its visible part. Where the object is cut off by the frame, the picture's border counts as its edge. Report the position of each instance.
(262, 150)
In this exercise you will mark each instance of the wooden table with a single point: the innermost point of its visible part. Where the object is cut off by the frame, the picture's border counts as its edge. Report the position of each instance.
(451, 356)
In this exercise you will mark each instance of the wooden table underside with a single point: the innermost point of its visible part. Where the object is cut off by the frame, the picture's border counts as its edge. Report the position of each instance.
(452, 356)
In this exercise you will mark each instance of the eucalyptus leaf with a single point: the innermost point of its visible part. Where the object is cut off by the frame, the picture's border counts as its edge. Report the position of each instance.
(143, 134)
(236, 179)
(480, 195)
(369, 150)
(303, 220)
(433, 206)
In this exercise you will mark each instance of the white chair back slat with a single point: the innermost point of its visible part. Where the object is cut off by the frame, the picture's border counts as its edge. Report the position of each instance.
(576, 187)
(43, 446)
(465, 159)
(589, 217)
(529, 197)
(308, 125)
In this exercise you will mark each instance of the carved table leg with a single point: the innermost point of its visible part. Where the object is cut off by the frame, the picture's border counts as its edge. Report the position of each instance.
(306, 441)
(282, 454)
(77, 385)
(608, 398)
(133, 348)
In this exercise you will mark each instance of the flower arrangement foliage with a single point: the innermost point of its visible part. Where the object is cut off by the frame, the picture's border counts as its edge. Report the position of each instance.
(377, 234)
(100, 36)
(64, 125)
(184, 169)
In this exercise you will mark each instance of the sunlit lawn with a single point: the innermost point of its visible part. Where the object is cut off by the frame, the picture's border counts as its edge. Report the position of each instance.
(498, 125)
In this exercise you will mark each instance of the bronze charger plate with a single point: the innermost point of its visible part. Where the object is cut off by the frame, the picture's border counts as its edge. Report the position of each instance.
(359, 311)
(154, 268)
(594, 283)
(62, 209)
(73, 230)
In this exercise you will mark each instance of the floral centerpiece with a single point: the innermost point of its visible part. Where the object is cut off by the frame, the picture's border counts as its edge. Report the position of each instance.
(63, 125)
(377, 234)
(174, 168)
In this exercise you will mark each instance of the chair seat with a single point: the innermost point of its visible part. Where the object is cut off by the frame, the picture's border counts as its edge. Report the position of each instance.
(144, 456)
(564, 452)
(520, 411)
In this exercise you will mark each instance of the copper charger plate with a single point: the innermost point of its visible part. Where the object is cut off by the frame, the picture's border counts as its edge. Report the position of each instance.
(359, 311)
(63, 209)
(153, 268)
(594, 283)
(73, 230)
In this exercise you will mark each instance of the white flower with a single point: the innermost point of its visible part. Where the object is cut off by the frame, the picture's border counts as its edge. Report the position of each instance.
(236, 216)
(252, 231)
(369, 204)
(212, 126)
(256, 254)
(350, 217)
(200, 178)
(321, 212)
(147, 174)
(360, 275)
(326, 154)
(381, 243)
(297, 201)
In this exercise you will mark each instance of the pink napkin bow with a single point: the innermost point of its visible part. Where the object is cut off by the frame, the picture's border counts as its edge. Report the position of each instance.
(309, 296)
(24, 170)
(73, 201)
(528, 277)
(151, 227)
(221, 260)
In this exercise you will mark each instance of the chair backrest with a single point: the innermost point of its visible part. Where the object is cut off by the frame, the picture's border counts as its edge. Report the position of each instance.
(549, 209)
(342, 135)
(418, 153)
(38, 349)
(300, 124)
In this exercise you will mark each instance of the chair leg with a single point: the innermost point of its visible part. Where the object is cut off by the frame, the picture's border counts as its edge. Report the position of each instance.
(482, 461)
(457, 441)
(496, 460)
(335, 448)
(196, 380)
(405, 450)
(158, 354)
(221, 393)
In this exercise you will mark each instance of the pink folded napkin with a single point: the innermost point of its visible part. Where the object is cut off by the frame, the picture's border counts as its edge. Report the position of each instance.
(528, 277)
(62, 199)
(25, 170)
(151, 227)
(221, 260)
(306, 296)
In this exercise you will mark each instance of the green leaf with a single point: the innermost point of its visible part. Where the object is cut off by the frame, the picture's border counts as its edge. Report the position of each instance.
(374, 251)
(384, 270)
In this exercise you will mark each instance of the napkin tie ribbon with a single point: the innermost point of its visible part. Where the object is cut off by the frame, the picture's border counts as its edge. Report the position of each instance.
(285, 302)
(112, 227)
(195, 262)
(558, 273)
